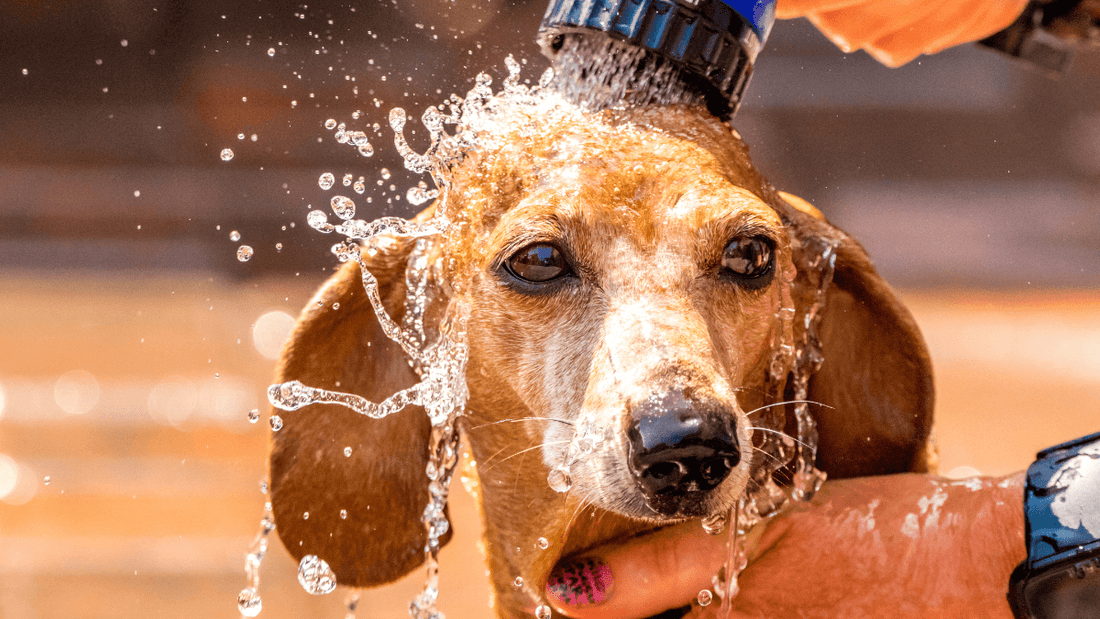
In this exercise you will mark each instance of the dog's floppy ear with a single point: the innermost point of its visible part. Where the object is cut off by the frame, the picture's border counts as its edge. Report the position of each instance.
(359, 512)
(876, 376)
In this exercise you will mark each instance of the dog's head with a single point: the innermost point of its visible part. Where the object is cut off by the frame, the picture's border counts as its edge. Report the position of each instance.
(631, 280)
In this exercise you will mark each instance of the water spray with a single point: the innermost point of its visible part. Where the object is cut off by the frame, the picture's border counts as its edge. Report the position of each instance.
(656, 51)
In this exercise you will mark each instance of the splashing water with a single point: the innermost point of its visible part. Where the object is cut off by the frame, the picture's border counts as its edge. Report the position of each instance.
(797, 356)
(248, 601)
(352, 602)
(821, 257)
(438, 353)
(597, 73)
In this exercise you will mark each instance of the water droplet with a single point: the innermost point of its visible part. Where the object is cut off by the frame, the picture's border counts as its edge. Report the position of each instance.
(335, 306)
(263, 487)
(234, 236)
(253, 415)
(330, 124)
(518, 582)
(715, 524)
(278, 247)
(249, 603)
(397, 119)
(276, 423)
(343, 514)
(326, 181)
(347, 452)
(366, 150)
(318, 220)
(546, 78)
(420, 194)
(46, 481)
(343, 207)
(347, 180)
(543, 612)
(25, 71)
(244, 253)
(315, 576)
(360, 186)
(586, 444)
(271, 51)
(705, 597)
(305, 515)
(385, 173)
(227, 154)
(542, 543)
(559, 479)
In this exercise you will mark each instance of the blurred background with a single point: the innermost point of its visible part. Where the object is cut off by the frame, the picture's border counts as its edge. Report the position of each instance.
(133, 342)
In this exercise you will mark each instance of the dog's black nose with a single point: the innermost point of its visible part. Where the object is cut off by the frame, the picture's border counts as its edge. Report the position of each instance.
(680, 449)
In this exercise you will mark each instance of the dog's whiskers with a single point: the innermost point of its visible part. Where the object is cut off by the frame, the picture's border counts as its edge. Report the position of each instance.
(523, 451)
(772, 456)
(774, 404)
(519, 419)
(780, 433)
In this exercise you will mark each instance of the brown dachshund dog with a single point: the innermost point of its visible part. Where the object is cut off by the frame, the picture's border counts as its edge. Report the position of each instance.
(625, 270)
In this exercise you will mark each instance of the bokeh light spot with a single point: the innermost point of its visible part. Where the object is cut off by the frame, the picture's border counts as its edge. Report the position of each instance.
(172, 401)
(270, 333)
(76, 392)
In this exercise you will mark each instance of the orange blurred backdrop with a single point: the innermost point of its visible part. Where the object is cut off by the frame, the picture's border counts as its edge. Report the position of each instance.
(134, 343)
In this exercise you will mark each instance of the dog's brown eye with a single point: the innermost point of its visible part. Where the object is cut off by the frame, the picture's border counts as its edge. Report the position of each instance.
(748, 257)
(540, 262)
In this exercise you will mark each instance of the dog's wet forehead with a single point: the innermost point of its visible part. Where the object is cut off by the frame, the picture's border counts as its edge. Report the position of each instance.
(668, 205)
(651, 180)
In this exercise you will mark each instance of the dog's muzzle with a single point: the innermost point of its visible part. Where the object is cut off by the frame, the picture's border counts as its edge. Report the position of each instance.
(680, 449)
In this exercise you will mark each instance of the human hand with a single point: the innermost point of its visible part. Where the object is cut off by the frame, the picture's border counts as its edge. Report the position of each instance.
(897, 31)
(891, 546)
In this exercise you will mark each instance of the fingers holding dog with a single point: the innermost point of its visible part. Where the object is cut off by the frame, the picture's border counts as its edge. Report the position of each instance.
(638, 579)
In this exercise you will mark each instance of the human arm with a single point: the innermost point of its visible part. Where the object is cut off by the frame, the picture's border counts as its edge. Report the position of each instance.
(897, 31)
(885, 547)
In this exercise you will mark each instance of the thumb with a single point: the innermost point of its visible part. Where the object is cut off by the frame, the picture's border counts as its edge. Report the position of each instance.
(659, 571)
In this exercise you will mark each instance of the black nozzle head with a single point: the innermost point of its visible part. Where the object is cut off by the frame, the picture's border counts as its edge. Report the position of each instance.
(656, 51)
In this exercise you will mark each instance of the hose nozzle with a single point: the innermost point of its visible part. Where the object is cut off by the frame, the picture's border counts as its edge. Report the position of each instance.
(657, 51)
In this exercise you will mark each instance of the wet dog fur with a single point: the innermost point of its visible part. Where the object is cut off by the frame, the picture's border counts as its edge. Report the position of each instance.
(641, 203)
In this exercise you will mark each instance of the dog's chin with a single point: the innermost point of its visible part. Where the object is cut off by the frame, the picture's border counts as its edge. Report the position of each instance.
(613, 518)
